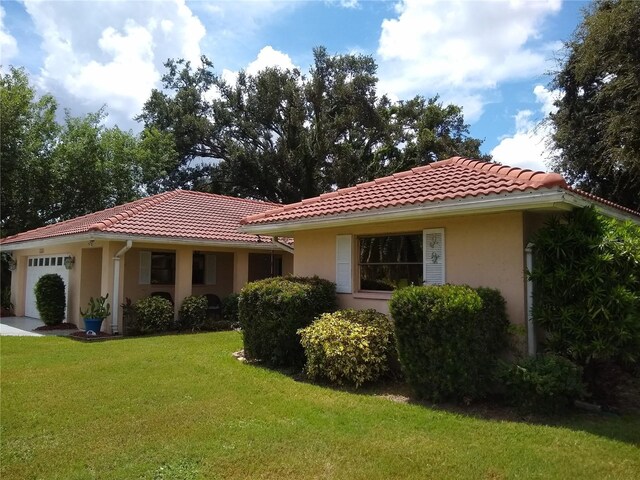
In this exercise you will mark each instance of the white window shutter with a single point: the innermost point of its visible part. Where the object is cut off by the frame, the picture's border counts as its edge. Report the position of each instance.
(343, 263)
(210, 267)
(145, 268)
(433, 256)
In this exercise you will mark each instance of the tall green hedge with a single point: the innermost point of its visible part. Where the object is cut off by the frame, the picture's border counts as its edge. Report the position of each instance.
(586, 278)
(271, 311)
(449, 338)
(50, 298)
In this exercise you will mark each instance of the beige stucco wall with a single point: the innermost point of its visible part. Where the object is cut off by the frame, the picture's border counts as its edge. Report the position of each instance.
(84, 279)
(93, 273)
(481, 250)
(90, 267)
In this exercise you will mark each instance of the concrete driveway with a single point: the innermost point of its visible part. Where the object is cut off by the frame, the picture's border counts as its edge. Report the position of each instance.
(25, 326)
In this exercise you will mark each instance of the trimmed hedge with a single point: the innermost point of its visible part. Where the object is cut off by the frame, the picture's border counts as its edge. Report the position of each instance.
(449, 338)
(547, 383)
(50, 298)
(348, 346)
(586, 276)
(230, 308)
(193, 313)
(153, 314)
(271, 311)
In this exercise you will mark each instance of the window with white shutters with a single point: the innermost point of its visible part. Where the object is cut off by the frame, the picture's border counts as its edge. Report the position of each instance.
(343, 263)
(434, 256)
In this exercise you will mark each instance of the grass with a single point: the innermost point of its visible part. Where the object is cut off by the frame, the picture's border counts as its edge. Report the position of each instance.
(181, 407)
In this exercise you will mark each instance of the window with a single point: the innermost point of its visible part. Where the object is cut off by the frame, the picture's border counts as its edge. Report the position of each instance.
(264, 265)
(391, 261)
(203, 269)
(387, 262)
(158, 268)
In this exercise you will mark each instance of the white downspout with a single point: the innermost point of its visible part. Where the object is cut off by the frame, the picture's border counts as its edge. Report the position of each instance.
(531, 338)
(115, 313)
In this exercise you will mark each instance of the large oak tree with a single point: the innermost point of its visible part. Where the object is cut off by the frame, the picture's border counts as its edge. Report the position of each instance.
(281, 135)
(597, 125)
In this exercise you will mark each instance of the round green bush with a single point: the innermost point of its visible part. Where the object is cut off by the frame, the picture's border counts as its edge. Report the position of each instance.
(192, 314)
(153, 314)
(547, 383)
(271, 312)
(448, 339)
(50, 298)
(348, 346)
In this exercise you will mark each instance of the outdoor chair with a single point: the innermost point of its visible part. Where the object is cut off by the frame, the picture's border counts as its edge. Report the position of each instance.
(214, 308)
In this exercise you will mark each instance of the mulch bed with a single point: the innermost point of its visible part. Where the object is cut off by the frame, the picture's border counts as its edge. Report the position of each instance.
(57, 326)
(82, 336)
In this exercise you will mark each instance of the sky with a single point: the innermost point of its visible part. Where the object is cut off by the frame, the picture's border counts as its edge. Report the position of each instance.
(491, 57)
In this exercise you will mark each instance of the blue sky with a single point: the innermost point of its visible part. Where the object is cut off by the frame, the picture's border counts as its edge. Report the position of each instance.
(490, 57)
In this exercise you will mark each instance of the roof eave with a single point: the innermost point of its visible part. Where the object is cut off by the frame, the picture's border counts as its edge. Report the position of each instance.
(554, 198)
(87, 237)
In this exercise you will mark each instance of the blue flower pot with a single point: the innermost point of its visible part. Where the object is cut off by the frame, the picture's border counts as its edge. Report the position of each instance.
(93, 324)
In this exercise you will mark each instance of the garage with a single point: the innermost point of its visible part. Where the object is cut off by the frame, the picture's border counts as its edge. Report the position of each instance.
(38, 266)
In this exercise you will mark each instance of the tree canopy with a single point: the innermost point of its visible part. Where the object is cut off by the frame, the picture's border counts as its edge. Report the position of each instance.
(597, 125)
(55, 171)
(283, 136)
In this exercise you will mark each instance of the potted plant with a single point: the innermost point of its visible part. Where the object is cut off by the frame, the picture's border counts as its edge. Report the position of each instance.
(97, 310)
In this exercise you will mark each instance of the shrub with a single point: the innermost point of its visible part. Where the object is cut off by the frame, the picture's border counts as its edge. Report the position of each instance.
(543, 383)
(230, 308)
(587, 287)
(192, 314)
(5, 300)
(129, 318)
(348, 346)
(153, 314)
(448, 340)
(50, 298)
(271, 311)
(493, 327)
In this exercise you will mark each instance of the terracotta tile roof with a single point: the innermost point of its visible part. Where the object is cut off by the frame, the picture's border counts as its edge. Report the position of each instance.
(179, 214)
(455, 178)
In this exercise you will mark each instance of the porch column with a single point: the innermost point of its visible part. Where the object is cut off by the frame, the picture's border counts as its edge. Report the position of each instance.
(106, 279)
(240, 270)
(184, 268)
(18, 284)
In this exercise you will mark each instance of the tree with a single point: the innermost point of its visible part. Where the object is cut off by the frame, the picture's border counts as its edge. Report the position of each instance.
(28, 138)
(283, 136)
(54, 171)
(597, 125)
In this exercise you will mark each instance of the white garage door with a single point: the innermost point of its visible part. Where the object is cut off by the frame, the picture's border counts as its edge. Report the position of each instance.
(37, 267)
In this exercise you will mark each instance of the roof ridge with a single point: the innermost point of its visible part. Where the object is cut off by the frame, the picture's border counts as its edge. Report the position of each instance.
(521, 175)
(74, 219)
(340, 192)
(143, 205)
(228, 197)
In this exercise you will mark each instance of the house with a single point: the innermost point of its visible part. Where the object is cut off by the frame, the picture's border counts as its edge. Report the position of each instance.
(457, 221)
(179, 243)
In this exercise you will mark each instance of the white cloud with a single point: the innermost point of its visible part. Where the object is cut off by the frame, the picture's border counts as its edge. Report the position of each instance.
(529, 146)
(461, 48)
(547, 98)
(344, 3)
(112, 53)
(269, 57)
(8, 44)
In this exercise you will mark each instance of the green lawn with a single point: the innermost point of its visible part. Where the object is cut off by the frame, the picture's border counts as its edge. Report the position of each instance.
(183, 407)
